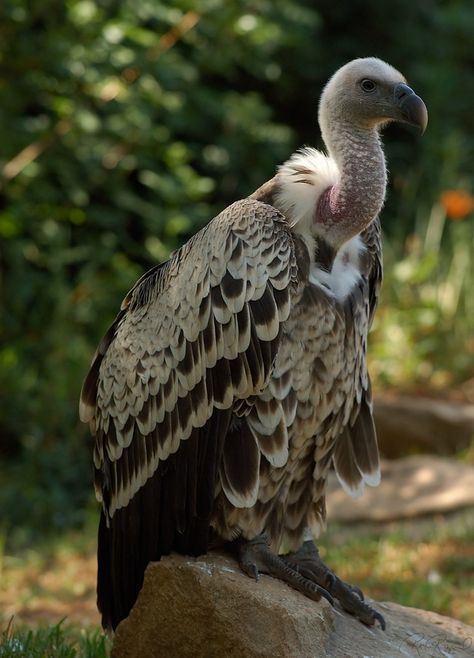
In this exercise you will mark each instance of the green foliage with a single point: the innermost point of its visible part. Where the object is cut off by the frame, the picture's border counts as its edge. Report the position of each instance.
(125, 126)
(47, 488)
(59, 641)
(423, 331)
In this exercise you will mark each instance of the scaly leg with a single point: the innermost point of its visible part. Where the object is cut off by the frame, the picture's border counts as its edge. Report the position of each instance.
(255, 557)
(308, 563)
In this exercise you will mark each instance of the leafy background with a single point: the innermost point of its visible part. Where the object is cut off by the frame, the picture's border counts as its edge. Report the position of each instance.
(125, 126)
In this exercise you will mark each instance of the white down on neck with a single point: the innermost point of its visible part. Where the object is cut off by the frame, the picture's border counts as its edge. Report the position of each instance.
(296, 199)
(303, 178)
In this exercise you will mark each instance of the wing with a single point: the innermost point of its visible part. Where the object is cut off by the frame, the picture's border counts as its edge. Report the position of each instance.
(372, 237)
(194, 338)
(356, 455)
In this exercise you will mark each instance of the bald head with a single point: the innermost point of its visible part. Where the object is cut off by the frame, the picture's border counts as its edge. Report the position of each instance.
(367, 93)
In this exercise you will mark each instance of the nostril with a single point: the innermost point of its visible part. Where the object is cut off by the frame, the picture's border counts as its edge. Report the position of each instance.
(401, 91)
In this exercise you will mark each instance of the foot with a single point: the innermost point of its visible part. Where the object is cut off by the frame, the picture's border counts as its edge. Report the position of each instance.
(307, 562)
(255, 557)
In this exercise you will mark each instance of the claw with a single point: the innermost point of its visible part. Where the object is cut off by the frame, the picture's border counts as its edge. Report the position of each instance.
(250, 569)
(255, 556)
(327, 596)
(309, 564)
(378, 617)
(306, 572)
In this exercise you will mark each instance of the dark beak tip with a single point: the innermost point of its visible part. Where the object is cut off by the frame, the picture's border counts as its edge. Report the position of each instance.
(414, 111)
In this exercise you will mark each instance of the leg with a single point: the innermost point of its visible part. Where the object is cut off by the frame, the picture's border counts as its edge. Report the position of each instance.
(255, 557)
(307, 562)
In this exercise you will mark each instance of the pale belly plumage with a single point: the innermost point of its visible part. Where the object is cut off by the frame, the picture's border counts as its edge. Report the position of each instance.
(322, 363)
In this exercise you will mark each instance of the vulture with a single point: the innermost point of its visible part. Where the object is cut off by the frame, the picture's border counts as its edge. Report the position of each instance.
(234, 376)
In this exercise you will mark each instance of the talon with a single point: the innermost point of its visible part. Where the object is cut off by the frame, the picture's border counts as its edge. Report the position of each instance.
(255, 556)
(310, 565)
(378, 617)
(250, 569)
(306, 572)
(327, 596)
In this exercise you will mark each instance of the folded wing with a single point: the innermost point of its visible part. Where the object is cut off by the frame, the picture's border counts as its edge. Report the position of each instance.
(195, 338)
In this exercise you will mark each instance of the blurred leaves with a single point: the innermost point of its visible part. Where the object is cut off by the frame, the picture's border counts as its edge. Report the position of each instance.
(125, 126)
(423, 332)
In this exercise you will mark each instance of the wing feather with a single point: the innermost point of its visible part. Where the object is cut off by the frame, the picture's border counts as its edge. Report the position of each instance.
(364, 442)
(194, 336)
(372, 237)
(240, 468)
(356, 455)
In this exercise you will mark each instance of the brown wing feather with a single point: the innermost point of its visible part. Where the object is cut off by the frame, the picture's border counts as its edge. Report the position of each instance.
(170, 512)
(364, 442)
(193, 337)
(356, 455)
(372, 237)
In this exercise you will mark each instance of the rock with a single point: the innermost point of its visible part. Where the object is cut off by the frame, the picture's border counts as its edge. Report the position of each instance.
(408, 425)
(207, 608)
(410, 487)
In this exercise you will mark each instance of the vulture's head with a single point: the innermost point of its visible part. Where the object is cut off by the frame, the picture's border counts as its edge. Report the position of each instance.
(369, 93)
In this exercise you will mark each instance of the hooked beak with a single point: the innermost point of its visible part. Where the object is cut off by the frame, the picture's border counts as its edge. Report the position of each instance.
(412, 108)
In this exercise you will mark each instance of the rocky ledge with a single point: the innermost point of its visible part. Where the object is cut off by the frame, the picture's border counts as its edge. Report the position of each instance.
(207, 608)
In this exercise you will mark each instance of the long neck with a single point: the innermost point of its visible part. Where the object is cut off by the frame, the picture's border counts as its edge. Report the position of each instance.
(348, 207)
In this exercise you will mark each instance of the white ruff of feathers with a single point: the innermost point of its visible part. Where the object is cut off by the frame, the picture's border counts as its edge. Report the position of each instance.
(304, 177)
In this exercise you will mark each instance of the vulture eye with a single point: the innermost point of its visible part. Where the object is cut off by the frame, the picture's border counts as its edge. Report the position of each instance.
(368, 85)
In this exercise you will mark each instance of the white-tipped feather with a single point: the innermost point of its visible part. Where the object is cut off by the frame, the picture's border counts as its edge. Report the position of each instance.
(372, 479)
(86, 411)
(241, 500)
(354, 491)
